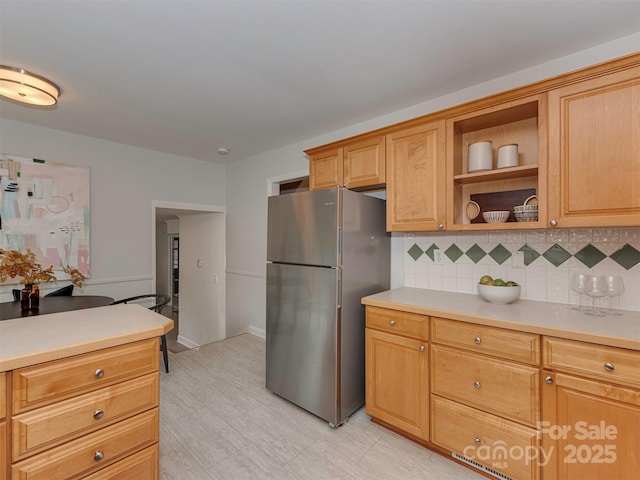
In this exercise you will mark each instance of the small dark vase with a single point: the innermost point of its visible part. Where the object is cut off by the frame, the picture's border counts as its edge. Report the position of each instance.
(30, 297)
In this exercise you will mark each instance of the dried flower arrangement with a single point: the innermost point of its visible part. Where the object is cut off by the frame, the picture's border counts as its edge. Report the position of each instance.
(15, 264)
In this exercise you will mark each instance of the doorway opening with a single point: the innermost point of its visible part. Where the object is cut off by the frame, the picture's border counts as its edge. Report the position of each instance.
(188, 252)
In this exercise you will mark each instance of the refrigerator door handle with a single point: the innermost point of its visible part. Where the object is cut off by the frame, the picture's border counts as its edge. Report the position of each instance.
(340, 246)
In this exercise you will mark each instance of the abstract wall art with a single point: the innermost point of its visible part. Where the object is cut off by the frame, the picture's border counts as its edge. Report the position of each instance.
(44, 206)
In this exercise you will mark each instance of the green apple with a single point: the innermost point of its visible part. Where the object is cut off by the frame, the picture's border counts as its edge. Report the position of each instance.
(500, 283)
(486, 280)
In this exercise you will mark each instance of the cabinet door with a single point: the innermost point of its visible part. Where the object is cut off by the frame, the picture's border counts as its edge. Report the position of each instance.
(415, 178)
(594, 145)
(325, 169)
(3, 450)
(397, 387)
(589, 429)
(364, 163)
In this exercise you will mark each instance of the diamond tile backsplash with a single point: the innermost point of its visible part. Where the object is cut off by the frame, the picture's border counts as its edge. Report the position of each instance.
(550, 258)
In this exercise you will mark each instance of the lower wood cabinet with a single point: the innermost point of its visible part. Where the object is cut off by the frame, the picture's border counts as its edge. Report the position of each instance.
(589, 429)
(590, 410)
(93, 415)
(493, 385)
(502, 446)
(3, 449)
(140, 466)
(397, 381)
(518, 405)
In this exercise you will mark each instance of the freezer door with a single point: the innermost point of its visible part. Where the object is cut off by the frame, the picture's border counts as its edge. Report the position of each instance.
(302, 228)
(302, 331)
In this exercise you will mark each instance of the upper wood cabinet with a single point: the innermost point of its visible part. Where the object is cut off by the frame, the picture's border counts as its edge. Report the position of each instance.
(415, 178)
(325, 169)
(594, 148)
(521, 122)
(356, 165)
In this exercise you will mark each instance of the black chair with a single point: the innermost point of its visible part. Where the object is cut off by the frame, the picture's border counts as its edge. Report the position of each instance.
(158, 301)
(62, 292)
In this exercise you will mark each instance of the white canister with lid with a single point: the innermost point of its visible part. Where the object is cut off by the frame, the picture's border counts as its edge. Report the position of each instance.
(508, 155)
(480, 157)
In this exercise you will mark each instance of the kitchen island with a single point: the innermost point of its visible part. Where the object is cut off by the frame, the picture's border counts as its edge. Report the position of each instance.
(79, 394)
(522, 391)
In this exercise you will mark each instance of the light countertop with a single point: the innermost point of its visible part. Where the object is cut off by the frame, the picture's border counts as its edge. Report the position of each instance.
(545, 318)
(30, 340)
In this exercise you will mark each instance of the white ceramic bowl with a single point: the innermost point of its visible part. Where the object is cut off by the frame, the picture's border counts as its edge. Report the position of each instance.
(526, 216)
(525, 208)
(499, 295)
(496, 216)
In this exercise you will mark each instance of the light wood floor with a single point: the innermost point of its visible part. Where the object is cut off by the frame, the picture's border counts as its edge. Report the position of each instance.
(219, 422)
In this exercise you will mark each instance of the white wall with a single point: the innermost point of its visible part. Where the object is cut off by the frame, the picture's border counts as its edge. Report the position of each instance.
(247, 179)
(202, 289)
(124, 182)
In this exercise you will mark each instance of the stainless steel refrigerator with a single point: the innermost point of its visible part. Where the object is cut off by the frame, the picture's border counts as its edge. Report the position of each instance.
(326, 249)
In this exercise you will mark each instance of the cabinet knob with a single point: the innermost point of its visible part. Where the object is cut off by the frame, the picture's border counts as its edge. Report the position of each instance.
(422, 348)
(477, 340)
(548, 380)
(609, 367)
(553, 223)
(392, 322)
(98, 414)
(98, 455)
(476, 384)
(99, 373)
(440, 226)
(477, 441)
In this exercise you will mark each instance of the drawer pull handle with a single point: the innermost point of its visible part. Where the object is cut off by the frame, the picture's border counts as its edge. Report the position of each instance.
(477, 340)
(422, 348)
(98, 455)
(549, 380)
(98, 414)
(99, 373)
(476, 384)
(477, 441)
(609, 367)
(392, 322)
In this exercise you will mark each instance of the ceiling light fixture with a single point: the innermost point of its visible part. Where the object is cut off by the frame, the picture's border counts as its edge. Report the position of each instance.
(22, 86)
(223, 151)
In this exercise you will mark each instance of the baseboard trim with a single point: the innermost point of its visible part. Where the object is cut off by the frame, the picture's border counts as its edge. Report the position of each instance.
(186, 342)
(258, 332)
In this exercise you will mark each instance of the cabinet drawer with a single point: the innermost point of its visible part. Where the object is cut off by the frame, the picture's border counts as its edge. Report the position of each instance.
(43, 384)
(141, 466)
(506, 389)
(3, 395)
(90, 453)
(613, 364)
(401, 323)
(48, 426)
(489, 440)
(518, 346)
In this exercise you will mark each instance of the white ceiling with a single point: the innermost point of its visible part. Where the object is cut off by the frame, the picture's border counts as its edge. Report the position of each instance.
(188, 76)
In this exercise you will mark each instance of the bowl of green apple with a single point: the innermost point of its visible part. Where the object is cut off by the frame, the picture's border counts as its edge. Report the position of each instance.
(498, 291)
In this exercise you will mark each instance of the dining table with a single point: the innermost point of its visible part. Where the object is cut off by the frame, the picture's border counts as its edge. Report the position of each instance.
(10, 310)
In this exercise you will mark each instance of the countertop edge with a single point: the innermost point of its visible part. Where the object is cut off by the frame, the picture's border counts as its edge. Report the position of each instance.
(559, 332)
(131, 324)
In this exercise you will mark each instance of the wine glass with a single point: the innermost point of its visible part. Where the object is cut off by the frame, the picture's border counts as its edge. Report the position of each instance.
(595, 288)
(614, 287)
(578, 284)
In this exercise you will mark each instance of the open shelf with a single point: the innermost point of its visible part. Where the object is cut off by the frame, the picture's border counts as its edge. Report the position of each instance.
(521, 122)
(498, 174)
